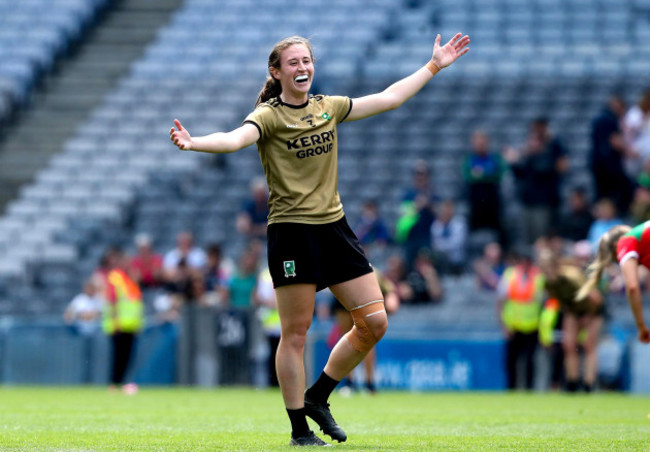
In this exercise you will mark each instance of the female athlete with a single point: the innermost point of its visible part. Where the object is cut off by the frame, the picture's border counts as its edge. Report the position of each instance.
(310, 245)
(630, 247)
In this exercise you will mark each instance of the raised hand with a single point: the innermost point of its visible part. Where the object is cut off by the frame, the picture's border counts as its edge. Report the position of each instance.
(180, 136)
(450, 52)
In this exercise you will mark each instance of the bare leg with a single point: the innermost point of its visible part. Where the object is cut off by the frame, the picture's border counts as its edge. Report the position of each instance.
(570, 345)
(344, 319)
(593, 325)
(296, 308)
(369, 367)
(344, 357)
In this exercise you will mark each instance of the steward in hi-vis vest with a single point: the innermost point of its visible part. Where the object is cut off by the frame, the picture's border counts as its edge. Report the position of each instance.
(124, 310)
(523, 303)
(123, 319)
(521, 291)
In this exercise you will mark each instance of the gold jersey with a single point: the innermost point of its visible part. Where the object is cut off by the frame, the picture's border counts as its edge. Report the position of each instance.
(298, 150)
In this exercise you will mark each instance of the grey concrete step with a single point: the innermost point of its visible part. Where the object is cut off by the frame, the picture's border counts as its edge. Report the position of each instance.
(136, 18)
(126, 35)
(100, 52)
(79, 86)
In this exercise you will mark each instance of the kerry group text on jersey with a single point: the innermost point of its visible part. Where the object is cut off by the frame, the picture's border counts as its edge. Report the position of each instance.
(312, 145)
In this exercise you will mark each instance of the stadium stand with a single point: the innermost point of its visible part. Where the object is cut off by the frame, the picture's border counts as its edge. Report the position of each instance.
(119, 175)
(31, 43)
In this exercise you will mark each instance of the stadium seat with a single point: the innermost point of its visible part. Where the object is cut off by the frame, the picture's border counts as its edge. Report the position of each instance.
(362, 46)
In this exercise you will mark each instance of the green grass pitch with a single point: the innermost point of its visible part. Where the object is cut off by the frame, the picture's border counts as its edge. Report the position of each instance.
(170, 419)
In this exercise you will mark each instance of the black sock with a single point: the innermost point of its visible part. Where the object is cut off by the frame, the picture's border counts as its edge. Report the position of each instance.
(320, 391)
(298, 420)
(572, 385)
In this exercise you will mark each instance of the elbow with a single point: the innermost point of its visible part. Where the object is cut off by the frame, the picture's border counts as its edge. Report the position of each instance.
(392, 101)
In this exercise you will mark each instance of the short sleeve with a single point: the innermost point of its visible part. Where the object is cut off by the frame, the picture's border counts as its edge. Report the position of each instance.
(342, 105)
(627, 248)
(76, 302)
(263, 118)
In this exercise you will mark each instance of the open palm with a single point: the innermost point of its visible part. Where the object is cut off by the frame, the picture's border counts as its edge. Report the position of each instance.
(450, 52)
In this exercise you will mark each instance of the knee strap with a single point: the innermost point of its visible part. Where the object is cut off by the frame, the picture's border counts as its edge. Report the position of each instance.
(361, 336)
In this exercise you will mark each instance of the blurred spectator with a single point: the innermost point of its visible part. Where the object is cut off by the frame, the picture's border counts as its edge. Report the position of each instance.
(608, 153)
(538, 169)
(167, 308)
(85, 310)
(217, 276)
(552, 242)
(421, 284)
(564, 277)
(185, 285)
(606, 217)
(241, 289)
(146, 264)
(371, 228)
(420, 183)
(395, 270)
(252, 220)
(270, 317)
(193, 258)
(123, 319)
(449, 239)
(489, 268)
(574, 224)
(636, 130)
(83, 315)
(413, 226)
(482, 172)
(519, 303)
(640, 209)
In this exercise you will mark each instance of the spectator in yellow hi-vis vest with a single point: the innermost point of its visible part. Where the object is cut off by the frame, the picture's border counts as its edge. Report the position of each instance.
(519, 303)
(123, 319)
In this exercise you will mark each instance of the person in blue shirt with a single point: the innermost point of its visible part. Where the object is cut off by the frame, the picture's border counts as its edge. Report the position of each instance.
(371, 228)
(252, 219)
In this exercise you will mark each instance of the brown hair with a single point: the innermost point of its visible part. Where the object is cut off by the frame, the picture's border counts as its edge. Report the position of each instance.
(272, 86)
(606, 254)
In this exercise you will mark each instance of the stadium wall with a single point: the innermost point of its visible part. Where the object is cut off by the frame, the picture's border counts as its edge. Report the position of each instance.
(211, 348)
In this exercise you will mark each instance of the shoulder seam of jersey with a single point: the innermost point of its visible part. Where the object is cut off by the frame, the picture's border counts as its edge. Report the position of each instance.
(629, 255)
(250, 121)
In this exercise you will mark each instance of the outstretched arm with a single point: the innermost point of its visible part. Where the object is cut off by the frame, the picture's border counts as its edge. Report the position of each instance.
(633, 292)
(401, 91)
(220, 142)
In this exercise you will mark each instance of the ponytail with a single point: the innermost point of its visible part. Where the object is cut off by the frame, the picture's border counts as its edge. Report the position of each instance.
(272, 88)
(595, 270)
(606, 255)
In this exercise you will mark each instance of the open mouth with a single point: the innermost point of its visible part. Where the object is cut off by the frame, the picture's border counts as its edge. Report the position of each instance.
(302, 79)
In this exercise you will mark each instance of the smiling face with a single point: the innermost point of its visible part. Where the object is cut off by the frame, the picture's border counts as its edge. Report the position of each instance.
(295, 73)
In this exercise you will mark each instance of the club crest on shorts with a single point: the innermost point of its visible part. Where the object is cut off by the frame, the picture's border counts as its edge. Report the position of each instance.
(289, 269)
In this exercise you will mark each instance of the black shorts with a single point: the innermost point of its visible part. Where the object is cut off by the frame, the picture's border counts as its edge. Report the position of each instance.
(321, 254)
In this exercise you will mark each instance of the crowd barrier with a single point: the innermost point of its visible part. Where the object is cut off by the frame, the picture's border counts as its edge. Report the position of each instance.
(208, 347)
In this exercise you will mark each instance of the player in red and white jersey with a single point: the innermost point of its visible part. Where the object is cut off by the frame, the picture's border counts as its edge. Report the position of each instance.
(630, 247)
